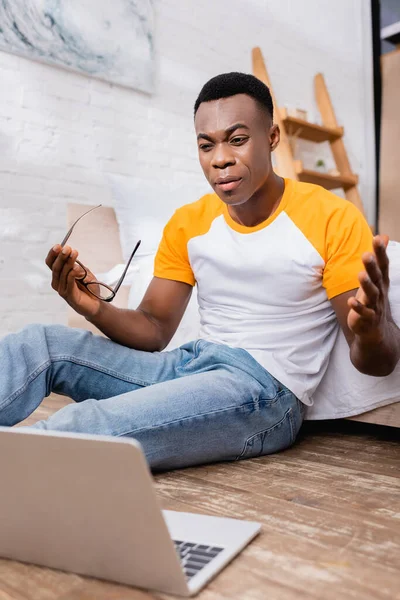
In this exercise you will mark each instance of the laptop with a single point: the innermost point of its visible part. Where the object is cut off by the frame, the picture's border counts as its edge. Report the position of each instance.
(87, 504)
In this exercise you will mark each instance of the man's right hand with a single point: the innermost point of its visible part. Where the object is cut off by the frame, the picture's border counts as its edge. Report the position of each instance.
(65, 270)
(150, 327)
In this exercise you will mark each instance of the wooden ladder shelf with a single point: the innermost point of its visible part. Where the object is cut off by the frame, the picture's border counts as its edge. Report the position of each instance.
(330, 132)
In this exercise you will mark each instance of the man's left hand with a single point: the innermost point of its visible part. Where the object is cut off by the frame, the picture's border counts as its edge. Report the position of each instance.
(369, 307)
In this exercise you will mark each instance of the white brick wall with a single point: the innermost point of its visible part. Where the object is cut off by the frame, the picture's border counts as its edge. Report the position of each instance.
(60, 131)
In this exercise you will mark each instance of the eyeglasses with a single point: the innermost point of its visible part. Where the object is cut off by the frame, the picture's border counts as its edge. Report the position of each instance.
(97, 288)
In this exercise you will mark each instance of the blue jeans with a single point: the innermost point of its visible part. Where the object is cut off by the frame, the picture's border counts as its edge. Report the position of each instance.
(197, 404)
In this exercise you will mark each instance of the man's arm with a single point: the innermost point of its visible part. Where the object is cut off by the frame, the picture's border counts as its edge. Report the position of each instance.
(150, 327)
(365, 318)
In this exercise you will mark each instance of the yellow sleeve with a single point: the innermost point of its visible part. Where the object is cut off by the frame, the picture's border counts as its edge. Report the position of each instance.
(172, 260)
(348, 237)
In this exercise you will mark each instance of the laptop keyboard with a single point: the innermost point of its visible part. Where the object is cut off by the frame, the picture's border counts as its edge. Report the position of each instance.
(195, 556)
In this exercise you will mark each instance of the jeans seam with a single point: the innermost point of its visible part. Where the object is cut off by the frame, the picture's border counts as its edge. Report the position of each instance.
(270, 401)
(181, 420)
(95, 367)
(292, 427)
(29, 380)
(267, 431)
(82, 363)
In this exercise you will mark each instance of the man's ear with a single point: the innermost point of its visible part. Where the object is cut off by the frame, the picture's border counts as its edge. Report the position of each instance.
(274, 137)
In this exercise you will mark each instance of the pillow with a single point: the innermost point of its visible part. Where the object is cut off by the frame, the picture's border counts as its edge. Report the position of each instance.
(143, 207)
(344, 391)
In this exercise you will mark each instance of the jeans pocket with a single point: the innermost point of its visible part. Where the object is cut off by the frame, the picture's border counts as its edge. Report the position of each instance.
(278, 435)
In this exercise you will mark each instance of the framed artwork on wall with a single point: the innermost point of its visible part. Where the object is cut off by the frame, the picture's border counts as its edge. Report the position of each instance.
(111, 40)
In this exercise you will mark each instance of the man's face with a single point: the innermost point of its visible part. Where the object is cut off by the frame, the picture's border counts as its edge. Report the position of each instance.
(235, 138)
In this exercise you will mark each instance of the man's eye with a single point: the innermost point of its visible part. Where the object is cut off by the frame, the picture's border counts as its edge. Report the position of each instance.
(238, 140)
(205, 147)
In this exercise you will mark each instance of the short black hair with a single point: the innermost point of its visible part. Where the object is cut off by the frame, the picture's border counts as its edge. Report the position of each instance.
(230, 84)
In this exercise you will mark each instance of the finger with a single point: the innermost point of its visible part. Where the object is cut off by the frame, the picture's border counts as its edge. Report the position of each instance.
(360, 294)
(81, 271)
(373, 270)
(73, 274)
(52, 255)
(371, 292)
(380, 243)
(381, 239)
(58, 266)
(67, 268)
(366, 313)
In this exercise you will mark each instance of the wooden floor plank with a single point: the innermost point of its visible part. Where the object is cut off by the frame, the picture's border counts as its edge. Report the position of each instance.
(334, 490)
(376, 452)
(296, 530)
(329, 507)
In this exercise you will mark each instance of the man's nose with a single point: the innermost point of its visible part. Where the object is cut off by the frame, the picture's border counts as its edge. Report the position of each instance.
(223, 156)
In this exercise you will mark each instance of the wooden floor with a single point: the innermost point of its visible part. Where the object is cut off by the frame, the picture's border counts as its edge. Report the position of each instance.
(330, 514)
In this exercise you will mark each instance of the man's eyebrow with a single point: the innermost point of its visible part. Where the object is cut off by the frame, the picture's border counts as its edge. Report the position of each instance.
(230, 130)
(204, 136)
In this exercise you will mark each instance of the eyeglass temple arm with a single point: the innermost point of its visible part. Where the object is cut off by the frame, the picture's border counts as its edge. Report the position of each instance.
(126, 268)
(73, 225)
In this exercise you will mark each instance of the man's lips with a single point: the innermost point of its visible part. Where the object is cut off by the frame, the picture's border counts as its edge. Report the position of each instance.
(228, 184)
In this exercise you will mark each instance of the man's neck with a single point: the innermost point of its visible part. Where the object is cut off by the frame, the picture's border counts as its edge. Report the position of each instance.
(261, 205)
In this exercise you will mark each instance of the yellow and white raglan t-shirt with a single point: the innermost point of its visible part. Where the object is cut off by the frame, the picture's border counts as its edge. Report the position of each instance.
(267, 288)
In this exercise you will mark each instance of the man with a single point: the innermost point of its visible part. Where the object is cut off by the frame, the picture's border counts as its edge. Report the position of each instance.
(277, 265)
